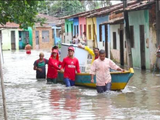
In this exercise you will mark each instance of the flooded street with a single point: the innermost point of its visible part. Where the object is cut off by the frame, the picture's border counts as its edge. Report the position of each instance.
(29, 99)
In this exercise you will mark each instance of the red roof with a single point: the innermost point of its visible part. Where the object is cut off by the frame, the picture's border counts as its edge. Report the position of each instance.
(50, 19)
(9, 25)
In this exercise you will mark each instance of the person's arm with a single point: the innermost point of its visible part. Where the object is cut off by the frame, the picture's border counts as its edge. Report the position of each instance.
(114, 66)
(62, 65)
(35, 67)
(93, 71)
(90, 51)
(46, 61)
(92, 78)
(77, 67)
(52, 64)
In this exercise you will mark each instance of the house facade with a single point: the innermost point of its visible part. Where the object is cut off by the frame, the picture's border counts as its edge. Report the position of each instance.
(25, 36)
(82, 26)
(68, 30)
(144, 45)
(91, 31)
(43, 37)
(10, 36)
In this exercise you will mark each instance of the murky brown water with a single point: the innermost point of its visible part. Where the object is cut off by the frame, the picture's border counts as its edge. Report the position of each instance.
(29, 99)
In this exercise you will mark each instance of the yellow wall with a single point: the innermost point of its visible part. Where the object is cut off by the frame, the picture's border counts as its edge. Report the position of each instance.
(91, 21)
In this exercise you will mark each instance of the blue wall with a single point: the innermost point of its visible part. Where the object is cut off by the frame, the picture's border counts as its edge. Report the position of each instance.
(56, 38)
(75, 23)
(99, 21)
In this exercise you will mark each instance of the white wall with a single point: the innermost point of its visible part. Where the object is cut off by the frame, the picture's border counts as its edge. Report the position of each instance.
(6, 39)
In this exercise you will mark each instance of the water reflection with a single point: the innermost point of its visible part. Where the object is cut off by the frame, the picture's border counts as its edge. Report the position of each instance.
(103, 108)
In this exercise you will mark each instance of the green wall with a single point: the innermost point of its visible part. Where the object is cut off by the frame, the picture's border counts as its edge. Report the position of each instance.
(137, 18)
(69, 23)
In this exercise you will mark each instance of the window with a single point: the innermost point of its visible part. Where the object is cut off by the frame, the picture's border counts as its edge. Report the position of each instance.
(89, 31)
(53, 33)
(72, 29)
(81, 30)
(106, 33)
(75, 30)
(84, 28)
(45, 36)
(58, 32)
(93, 31)
(100, 33)
(114, 41)
(37, 37)
(132, 36)
(67, 29)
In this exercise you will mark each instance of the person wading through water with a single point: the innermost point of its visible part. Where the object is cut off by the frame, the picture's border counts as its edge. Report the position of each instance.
(101, 68)
(40, 66)
(70, 65)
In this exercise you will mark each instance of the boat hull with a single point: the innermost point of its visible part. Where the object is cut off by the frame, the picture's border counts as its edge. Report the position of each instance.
(119, 79)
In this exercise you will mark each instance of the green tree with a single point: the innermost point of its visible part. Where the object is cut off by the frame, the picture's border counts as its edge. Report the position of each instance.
(22, 12)
(62, 8)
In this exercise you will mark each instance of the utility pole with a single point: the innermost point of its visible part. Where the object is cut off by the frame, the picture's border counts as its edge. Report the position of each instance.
(2, 84)
(127, 34)
(157, 22)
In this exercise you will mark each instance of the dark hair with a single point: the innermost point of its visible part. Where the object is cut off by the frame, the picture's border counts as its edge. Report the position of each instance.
(55, 47)
(102, 52)
(96, 48)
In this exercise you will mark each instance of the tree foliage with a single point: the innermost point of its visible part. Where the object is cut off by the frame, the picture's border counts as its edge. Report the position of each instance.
(22, 12)
(63, 8)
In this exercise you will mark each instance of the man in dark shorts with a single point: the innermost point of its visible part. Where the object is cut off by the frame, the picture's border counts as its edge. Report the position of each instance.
(40, 66)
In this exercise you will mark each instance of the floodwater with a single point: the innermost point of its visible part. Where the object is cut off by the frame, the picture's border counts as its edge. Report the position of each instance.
(29, 99)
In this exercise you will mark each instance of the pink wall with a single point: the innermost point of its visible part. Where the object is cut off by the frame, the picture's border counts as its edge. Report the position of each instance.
(82, 21)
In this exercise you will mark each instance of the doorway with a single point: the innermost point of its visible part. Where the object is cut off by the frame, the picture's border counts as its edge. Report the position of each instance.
(121, 48)
(106, 40)
(37, 39)
(142, 47)
(13, 42)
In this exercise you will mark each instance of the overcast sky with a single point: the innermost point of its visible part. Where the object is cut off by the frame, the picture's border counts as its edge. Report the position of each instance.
(115, 1)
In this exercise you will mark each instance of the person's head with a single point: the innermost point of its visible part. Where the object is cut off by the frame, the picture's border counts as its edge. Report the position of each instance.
(54, 53)
(96, 51)
(55, 47)
(41, 55)
(102, 54)
(70, 51)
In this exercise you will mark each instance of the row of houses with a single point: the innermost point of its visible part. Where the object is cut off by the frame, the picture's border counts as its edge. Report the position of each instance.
(106, 28)
(39, 37)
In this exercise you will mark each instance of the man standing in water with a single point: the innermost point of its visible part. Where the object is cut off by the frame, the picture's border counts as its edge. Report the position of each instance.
(40, 66)
(53, 66)
(28, 48)
(70, 65)
(101, 68)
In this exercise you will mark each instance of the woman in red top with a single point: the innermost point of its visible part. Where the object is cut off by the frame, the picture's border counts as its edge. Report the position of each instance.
(70, 65)
(53, 64)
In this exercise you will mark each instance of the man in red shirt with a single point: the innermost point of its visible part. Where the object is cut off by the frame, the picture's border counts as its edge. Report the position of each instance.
(70, 65)
(53, 66)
